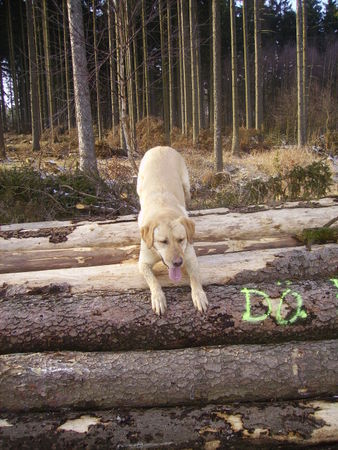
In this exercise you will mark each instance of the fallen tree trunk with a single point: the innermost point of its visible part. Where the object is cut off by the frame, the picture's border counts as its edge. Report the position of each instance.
(218, 227)
(55, 319)
(62, 258)
(211, 427)
(51, 381)
(231, 268)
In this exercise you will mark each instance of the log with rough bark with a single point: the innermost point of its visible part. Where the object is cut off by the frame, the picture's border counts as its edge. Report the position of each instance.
(230, 268)
(307, 423)
(56, 319)
(214, 225)
(52, 381)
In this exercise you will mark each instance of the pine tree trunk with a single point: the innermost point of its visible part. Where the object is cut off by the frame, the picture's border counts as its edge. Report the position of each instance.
(184, 67)
(248, 112)
(13, 69)
(235, 136)
(65, 49)
(136, 75)
(112, 67)
(2, 139)
(146, 109)
(165, 86)
(38, 59)
(218, 154)
(122, 75)
(81, 89)
(193, 44)
(170, 68)
(305, 91)
(2, 101)
(48, 69)
(300, 92)
(129, 77)
(97, 76)
(33, 72)
(258, 67)
(180, 100)
(211, 76)
(24, 79)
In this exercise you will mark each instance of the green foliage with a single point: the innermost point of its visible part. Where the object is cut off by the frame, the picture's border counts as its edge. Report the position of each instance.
(27, 195)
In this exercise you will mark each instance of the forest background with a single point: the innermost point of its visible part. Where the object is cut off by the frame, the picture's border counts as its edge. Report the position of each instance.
(246, 90)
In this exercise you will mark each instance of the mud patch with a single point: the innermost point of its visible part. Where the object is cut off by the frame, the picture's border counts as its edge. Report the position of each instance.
(56, 235)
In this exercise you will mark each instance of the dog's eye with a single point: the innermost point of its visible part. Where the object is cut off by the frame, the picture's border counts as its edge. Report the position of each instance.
(165, 241)
(180, 240)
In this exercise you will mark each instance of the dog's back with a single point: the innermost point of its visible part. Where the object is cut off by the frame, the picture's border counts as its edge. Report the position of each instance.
(162, 171)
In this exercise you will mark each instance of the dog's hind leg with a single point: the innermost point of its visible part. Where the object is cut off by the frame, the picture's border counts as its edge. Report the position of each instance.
(185, 182)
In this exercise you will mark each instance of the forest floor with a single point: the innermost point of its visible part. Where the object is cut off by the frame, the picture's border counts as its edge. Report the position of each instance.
(45, 185)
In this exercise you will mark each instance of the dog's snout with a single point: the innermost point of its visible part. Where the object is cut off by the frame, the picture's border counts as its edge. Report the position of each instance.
(177, 262)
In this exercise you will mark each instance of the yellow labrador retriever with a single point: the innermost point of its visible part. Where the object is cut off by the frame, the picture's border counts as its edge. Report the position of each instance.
(166, 231)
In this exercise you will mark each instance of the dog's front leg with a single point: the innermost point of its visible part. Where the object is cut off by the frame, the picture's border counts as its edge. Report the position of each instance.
(158, 300)
(198, 295)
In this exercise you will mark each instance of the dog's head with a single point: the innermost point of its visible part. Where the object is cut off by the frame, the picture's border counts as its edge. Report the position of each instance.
(170, 238)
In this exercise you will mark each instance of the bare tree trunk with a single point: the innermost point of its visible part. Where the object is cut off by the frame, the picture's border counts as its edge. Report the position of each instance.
(193, 43)
(97, 75)
(136, 75)
(181, 100)
(145, 63)
(170, 68)
(48, 68)
(65, 49)
(258, 67)
(165, 86)
(38, 59)
(2, 100)
(129, 77)
(112, 67)
(300, 106)
(120, 81)
(13, 69)
(122, 45)
(248, 112)
(2, 139)
(211, 75)
(24, 79)
(305, 91)
(217, 86)
(184, 67)
(81, 89)
(235, 136)
(33, 71)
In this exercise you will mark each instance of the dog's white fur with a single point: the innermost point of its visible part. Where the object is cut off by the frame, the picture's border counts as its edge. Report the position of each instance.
(166, 231)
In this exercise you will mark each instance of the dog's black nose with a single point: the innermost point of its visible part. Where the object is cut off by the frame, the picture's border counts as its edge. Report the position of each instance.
(177, 262)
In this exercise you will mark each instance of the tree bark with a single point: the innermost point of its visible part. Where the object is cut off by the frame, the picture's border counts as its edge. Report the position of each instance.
(218, 151)
(13, 69)
(248, 112)
(235, 148)
(48, 69)
(164, 63)
(258, 67)
(262, 425)
(65, 49)
(112, 67)
(53, 381)
(97, 75)
(2, 100)
(81, 89)
(145, 63)
(305, 92)
(2, 139)
(193, 44)
(55, 319)
(300, 106)
(211, 225)
(33, 72)
(242, 268)
(170, 68)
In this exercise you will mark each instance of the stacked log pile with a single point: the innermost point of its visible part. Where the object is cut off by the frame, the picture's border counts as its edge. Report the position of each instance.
(85, 363)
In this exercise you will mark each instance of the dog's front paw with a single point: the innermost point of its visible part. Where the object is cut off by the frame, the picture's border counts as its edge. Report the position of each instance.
(200, 300)
(158, 302)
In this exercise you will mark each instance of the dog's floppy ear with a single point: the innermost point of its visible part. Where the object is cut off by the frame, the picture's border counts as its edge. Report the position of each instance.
(189, 228)
(147, 233)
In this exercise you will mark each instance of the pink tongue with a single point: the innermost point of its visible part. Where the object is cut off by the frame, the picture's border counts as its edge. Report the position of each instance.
(175, 273)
